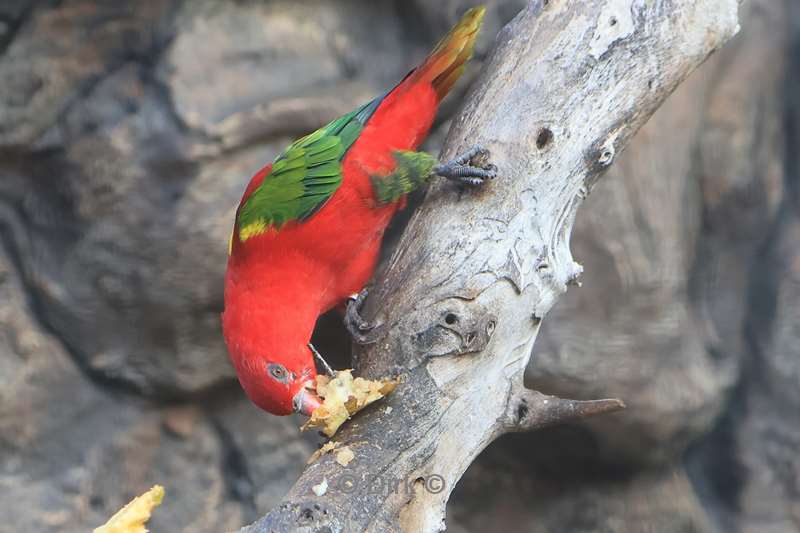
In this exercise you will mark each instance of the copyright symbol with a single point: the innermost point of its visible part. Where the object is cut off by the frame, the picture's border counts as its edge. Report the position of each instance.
(434, 484)
(346, 483)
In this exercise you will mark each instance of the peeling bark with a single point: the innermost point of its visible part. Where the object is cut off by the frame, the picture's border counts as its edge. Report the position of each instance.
(463, 296)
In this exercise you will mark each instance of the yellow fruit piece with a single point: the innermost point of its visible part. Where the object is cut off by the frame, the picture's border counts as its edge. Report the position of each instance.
(344, 456)
(132, 517)
(344, 396)
(327, 447)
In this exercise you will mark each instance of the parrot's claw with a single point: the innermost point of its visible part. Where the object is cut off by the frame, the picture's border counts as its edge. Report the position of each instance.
(470, 168)
(362, 331)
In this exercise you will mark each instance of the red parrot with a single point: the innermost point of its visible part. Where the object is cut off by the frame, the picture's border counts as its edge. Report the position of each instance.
(309, 226)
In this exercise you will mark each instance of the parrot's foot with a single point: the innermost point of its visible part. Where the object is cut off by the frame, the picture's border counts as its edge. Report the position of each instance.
(362, 331)
(470, 168)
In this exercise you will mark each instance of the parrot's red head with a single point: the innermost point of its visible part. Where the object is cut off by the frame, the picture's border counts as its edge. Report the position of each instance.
(267, 330)
(279, 384)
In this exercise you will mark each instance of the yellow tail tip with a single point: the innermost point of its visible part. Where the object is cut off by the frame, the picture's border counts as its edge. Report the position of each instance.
(466, 28)
(446, 62)
(474, 15)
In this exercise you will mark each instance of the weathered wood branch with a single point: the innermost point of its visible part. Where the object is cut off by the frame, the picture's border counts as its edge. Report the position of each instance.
(463, 296)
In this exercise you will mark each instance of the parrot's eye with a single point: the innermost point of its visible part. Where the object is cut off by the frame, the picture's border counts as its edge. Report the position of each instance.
(278, 372)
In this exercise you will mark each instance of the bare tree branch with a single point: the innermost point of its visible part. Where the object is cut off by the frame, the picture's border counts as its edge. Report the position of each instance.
(529, 410)
(462, 298)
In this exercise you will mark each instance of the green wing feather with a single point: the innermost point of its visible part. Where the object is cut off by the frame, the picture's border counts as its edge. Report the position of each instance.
(304, 176)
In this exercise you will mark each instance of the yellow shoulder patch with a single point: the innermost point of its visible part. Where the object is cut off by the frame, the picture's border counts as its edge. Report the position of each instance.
(252, 229)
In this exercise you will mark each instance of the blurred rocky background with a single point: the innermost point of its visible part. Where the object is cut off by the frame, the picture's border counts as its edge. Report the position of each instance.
(127, 133)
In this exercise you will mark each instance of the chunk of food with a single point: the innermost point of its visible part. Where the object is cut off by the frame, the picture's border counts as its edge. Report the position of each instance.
(344, 456)
(321, 488)
(327, 447)
(343, 396)
(133, 517)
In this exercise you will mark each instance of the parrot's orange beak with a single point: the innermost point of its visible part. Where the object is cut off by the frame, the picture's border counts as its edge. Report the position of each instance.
(305, 401)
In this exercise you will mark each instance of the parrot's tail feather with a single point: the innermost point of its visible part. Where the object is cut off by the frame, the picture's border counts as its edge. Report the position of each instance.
(445, 64)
